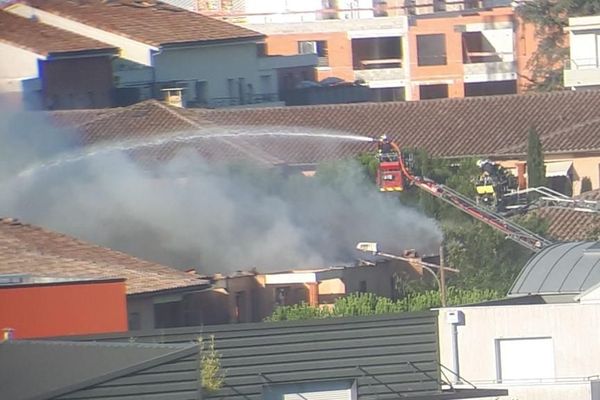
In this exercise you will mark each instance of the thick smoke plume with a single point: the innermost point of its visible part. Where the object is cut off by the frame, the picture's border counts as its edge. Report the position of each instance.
(190, 214)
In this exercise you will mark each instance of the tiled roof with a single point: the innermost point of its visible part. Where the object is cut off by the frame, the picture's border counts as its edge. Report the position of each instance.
(478, 126)
(147, 21)
(482, 126)
(27, 249)
(46, 40)
(569, 225)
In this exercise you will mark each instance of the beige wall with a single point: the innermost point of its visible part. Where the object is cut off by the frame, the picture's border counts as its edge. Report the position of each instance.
(574, 331)
(583, 165)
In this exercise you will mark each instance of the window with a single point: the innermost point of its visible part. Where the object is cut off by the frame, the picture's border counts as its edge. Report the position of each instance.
(362, 286)
(427, 92)
(331, 390)
(201, 92)
(431, 49)
(318, 47)
(439, 5)
(524, 359)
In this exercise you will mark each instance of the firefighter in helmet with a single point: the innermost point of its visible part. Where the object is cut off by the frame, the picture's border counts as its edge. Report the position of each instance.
(385, 150)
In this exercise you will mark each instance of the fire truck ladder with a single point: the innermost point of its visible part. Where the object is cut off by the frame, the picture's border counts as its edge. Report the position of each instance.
(553, 199)
(515, 232)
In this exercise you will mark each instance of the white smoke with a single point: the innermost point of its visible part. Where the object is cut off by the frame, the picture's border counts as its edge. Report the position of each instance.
(188, 213)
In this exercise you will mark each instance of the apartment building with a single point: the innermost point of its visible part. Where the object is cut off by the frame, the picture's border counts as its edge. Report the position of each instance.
(416, 49)
(582, 70)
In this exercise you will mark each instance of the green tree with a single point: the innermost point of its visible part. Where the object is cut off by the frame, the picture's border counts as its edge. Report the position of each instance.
(536, 170)
(550, 18)
(586, 184)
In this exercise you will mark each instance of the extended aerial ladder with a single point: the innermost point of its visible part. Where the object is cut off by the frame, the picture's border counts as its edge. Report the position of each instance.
(393, 172)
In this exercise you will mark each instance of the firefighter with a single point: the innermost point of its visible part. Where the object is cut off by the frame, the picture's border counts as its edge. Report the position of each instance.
(385, 151)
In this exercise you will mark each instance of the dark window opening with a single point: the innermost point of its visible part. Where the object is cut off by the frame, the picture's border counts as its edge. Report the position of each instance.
(168, 315)
(490, 88)
(477, 49)
(470, 4)
(427, 92)
(431, 49)
(387, 94)
(261, 49)
(281, 295)
(318, 47)
(362, 286)
(375, 53)
(439, 5)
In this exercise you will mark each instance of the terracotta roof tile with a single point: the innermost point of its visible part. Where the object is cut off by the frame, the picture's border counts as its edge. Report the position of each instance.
(151, 22)
(27, 249)
(569, 225)
(44, 39)
(483, 126)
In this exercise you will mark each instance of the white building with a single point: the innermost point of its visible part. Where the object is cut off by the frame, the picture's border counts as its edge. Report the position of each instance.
(541, 343)
(210, 62)
(583, 69)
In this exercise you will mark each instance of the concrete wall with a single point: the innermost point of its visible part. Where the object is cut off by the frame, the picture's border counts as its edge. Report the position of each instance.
(77, 83)
(17, 63)
(493, 24)
(583, 165)
(573, 329)
(189, 65)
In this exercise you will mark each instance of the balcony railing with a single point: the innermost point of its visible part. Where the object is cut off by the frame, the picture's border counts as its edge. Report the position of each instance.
(582, 63)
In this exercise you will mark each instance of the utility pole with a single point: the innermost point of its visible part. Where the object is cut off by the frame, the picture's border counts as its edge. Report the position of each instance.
(442, 276)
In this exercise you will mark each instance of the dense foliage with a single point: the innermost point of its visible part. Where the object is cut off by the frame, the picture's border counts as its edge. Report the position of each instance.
(359, 304)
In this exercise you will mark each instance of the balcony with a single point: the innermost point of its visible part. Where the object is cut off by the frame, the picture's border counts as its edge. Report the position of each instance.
(582, 72)
(380, 74)
(490, 71)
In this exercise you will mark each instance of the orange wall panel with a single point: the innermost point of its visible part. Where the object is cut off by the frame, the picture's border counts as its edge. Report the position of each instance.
(63, 309)
(339, 49)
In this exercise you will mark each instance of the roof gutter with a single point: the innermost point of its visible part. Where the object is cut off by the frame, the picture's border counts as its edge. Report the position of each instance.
(62, 55)
(216, 42)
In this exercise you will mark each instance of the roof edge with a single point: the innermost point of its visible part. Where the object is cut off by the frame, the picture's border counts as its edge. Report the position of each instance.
(188, 350)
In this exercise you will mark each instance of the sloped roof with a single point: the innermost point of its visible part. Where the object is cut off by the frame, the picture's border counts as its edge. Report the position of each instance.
(27, 249)
(46, 40)
(151, 22)
(481, 126)
(562, 268)
(477, 126)
(569, 225)
(43, 370)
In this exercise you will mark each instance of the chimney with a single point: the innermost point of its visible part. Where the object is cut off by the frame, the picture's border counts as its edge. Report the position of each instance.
(7, 334)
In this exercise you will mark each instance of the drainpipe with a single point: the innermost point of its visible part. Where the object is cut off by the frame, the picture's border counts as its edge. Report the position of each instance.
(455, 318)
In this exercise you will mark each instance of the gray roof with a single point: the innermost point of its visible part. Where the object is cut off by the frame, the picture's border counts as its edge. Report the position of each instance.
(389, 356)
(562, 268)
(47, 369)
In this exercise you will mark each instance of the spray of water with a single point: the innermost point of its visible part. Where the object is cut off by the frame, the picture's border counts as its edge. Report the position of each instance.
(189, 213)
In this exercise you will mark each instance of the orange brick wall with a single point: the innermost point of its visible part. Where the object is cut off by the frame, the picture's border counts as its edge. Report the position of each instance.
(63, 309)
(452, 72)
(338, 45)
